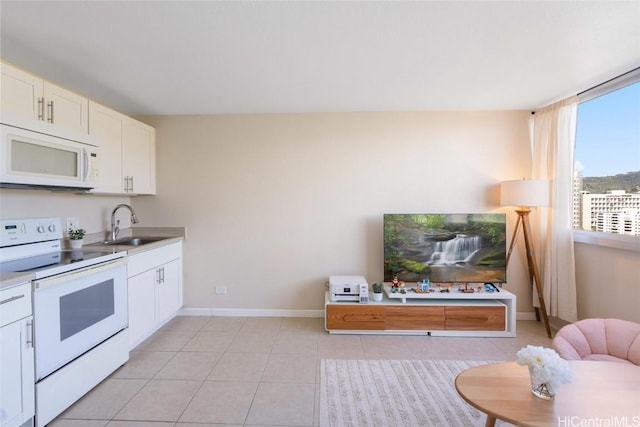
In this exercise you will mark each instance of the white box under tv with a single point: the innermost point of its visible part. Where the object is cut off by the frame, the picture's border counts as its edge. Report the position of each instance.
(349, 288)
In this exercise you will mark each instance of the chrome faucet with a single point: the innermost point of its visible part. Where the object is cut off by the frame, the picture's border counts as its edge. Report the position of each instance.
(115, 225)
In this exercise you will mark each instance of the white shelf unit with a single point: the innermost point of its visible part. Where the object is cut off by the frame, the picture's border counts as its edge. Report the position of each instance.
(434, 314)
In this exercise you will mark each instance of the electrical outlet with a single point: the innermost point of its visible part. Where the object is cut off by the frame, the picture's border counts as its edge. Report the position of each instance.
(221, 289)
(73, 223)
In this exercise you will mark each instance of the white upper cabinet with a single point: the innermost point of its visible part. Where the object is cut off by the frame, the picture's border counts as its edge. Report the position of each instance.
(127, 152)
(21, 92)
(106, 124)
(27, 95)
(65, 108)
(138, 157)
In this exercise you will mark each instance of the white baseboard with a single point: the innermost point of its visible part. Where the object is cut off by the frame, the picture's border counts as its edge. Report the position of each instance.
(248, 312)
(526, 315)
(253, 312)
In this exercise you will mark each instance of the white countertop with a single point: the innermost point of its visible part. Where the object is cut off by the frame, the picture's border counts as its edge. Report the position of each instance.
(169, 236)
(10, 279)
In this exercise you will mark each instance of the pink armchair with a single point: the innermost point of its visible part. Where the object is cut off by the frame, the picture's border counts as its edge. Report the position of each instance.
(599, 339)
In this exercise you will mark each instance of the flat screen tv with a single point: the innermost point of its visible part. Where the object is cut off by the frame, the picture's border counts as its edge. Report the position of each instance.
(445, 248)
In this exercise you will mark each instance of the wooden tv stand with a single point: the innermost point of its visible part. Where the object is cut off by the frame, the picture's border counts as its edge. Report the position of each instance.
(478, 314)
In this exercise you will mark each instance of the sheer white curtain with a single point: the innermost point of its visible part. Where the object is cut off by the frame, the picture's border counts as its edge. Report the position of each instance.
(553, 141)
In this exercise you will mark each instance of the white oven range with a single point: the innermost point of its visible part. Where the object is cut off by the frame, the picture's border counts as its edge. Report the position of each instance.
(79, 307)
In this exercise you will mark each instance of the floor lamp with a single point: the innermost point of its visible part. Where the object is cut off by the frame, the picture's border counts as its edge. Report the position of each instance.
(527, 193)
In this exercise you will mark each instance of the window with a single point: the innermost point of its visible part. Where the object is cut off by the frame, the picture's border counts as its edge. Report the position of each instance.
(606, 185)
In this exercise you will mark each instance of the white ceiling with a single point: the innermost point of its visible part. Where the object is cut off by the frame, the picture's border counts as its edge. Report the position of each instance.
(206, 57)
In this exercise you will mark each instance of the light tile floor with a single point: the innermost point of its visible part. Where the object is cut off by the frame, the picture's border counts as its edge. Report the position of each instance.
(233, 371)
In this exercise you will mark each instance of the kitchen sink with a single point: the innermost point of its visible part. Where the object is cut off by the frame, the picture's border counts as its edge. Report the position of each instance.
(132, 241)
(136, 241)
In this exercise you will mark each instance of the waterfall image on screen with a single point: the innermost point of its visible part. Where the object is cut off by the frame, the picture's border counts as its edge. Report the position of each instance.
(459, 248)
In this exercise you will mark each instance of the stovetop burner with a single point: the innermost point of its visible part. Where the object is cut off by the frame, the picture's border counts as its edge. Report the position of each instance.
(50, 260)
(34, 246)
(50, 264)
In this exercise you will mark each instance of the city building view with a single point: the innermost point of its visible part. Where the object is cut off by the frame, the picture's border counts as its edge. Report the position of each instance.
(606, 179)
(611, 211)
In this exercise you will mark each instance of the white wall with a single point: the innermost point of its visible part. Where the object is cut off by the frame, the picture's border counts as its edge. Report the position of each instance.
(274, 204)
(94, 211)
(607, 282)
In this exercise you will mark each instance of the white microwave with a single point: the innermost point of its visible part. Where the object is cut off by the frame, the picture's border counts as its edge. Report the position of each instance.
(41, 155)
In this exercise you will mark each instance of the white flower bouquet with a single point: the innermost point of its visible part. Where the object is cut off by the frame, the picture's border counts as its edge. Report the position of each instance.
(546, 368)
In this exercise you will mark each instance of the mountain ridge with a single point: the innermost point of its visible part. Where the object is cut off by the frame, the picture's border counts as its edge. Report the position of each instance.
(629, 182)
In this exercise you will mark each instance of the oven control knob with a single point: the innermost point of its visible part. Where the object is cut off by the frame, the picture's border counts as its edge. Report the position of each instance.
(40, 229)
(52, 228)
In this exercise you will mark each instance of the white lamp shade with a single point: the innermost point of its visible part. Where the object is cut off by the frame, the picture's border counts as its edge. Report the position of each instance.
(524, 192)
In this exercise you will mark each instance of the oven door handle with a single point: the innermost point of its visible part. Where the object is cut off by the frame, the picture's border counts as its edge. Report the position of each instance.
(76, 274)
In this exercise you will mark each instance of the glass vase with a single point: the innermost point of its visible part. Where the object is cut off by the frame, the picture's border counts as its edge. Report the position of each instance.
(540, 389)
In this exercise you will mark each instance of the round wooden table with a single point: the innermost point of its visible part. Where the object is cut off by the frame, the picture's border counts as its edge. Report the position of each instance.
(605, 391)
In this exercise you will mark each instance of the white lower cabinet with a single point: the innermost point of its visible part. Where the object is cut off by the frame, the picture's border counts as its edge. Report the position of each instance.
(168, 293)
(155, 290)
(17, 377)
(141, 306)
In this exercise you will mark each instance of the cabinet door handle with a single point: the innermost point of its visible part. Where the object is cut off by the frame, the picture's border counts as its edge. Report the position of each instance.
(131, 183)
(4, 301)
(30, 333)
(50, 111)
(162, 274)
(40, 108)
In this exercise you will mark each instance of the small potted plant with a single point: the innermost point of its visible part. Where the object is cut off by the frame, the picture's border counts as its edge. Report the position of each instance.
(377, 291)
(75, 238)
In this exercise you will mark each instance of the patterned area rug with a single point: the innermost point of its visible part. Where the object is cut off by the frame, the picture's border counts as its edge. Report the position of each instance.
(394, 393)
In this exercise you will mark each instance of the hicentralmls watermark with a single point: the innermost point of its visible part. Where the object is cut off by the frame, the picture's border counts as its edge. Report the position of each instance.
(623, 421)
